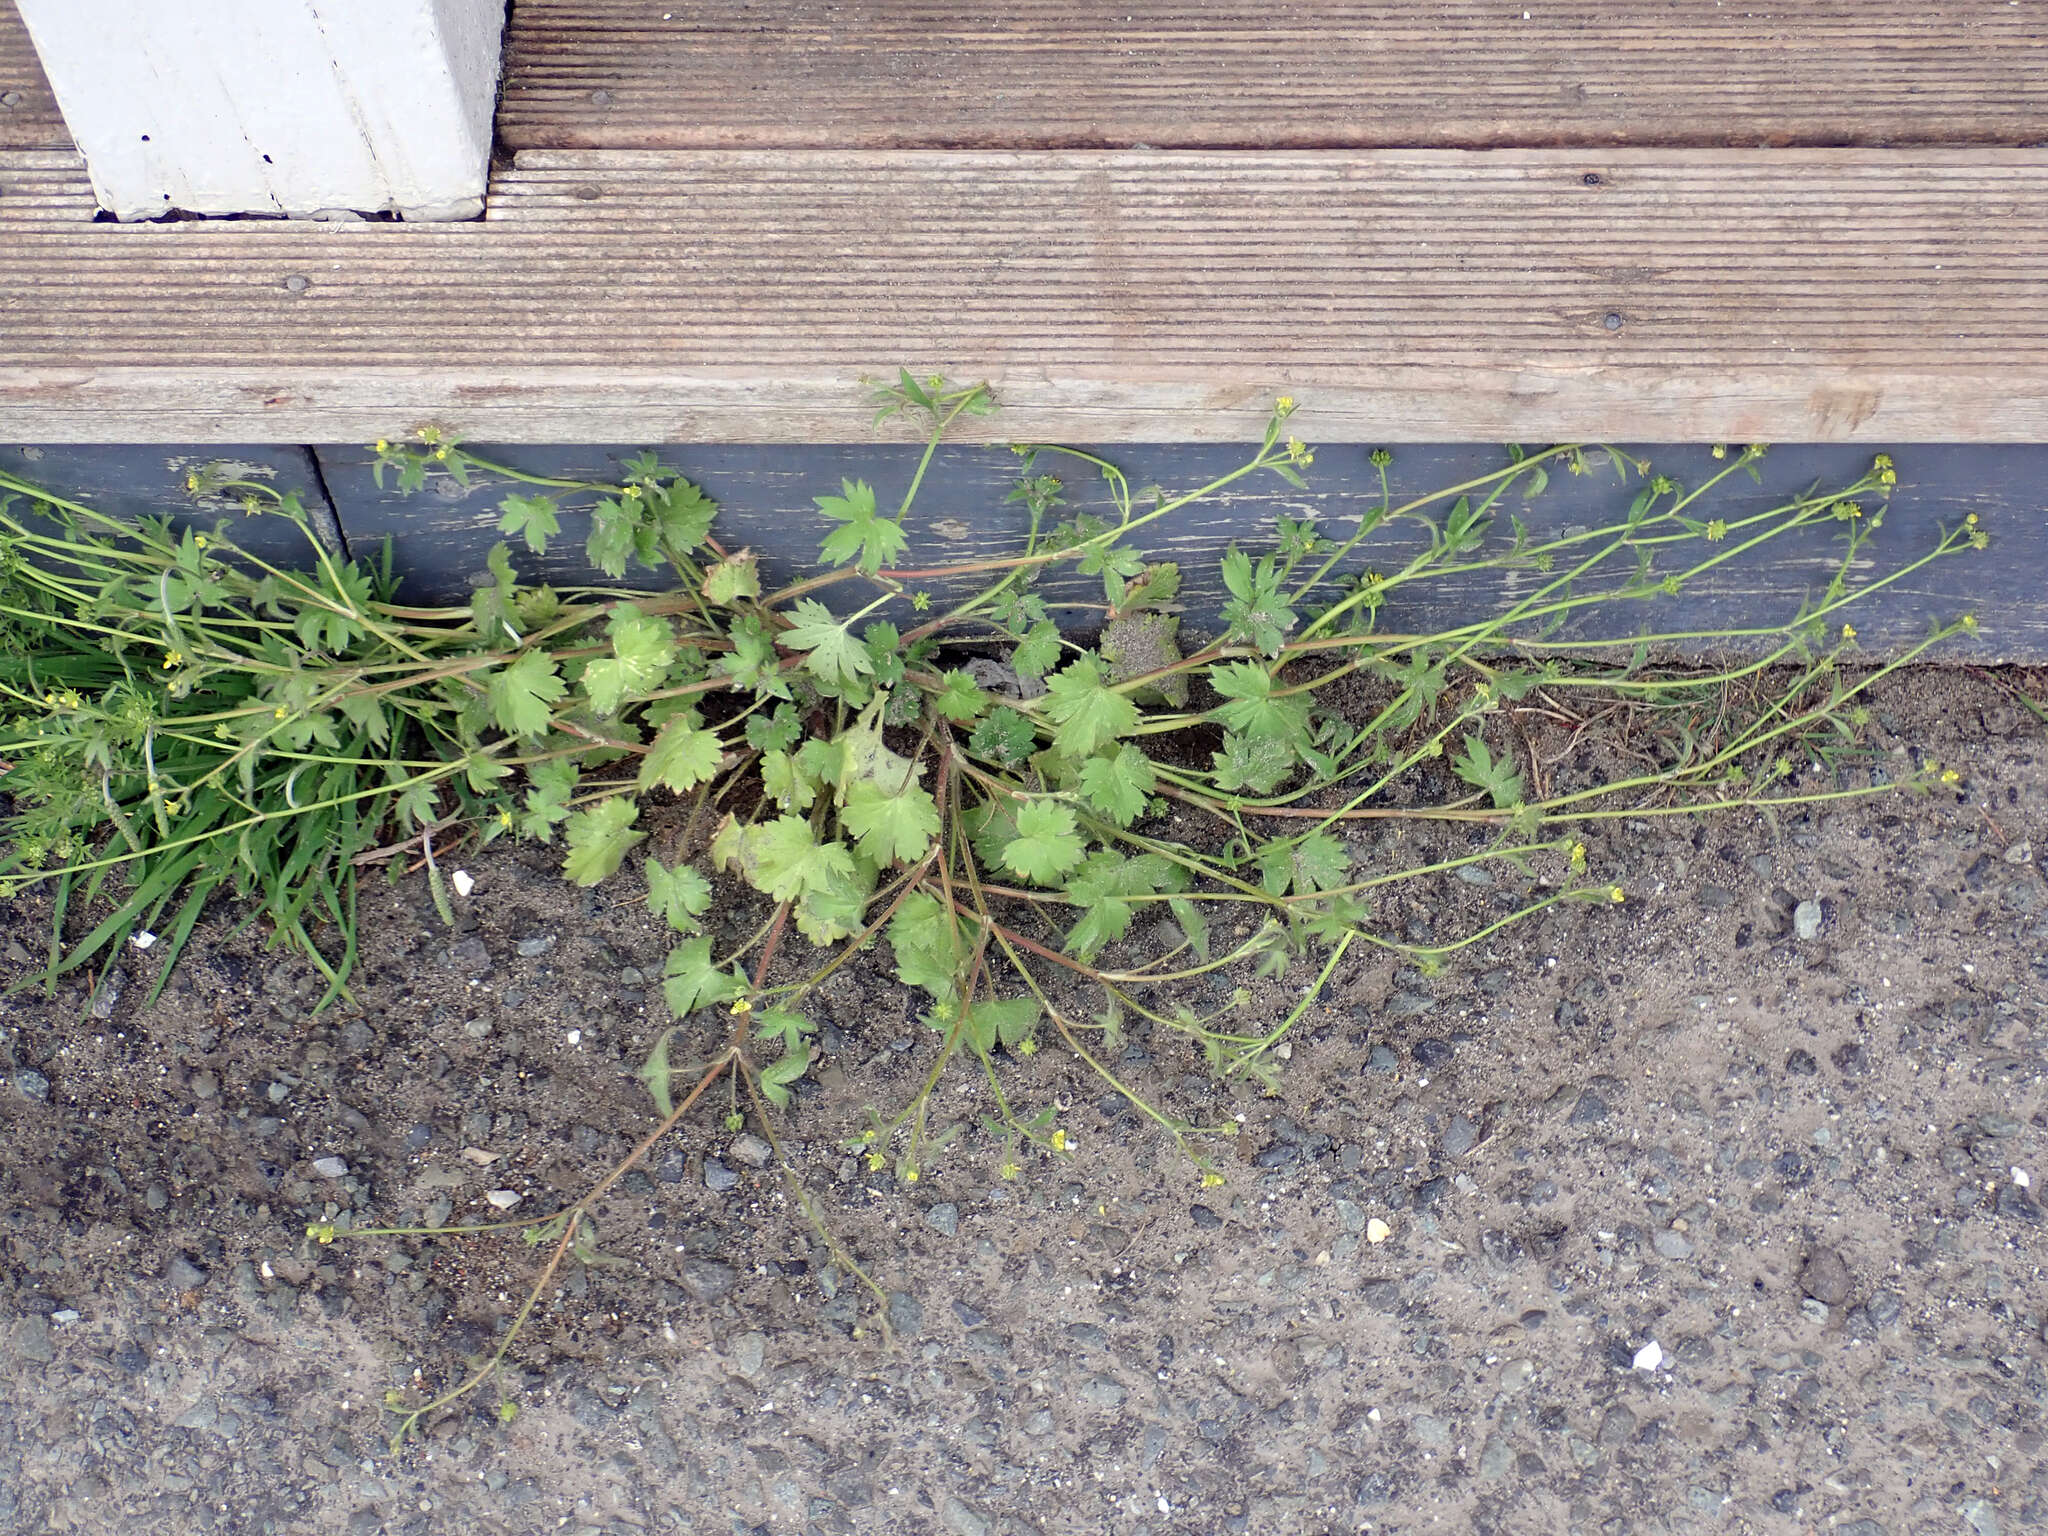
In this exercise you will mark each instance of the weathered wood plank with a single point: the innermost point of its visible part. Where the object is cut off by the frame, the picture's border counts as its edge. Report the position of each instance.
(442, 534)
(45, 186)
(1242, 74)
(29, 118)
(1401, 296)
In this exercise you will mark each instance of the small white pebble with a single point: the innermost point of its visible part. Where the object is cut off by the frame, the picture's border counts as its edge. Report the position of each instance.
(2019, 1177)
(68, 1315)
(574, 1037)
(463, 883)
(142, 938)
(1377, 1231)
(331, 1168)
(1649, 1357)
(503, 1199)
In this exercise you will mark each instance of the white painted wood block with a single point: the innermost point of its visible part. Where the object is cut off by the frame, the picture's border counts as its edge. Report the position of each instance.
(276, 106)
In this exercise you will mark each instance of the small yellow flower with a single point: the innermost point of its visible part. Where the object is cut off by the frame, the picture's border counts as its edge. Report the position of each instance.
(505, 820)
(1615, 893)
(743, 1006)
(173, 659)
(1284, 405)
(1212, 1179)
(1717, 530)
(1578, 856)
(1969, 623)
(1059, 1140)
(910, 1175)
(1720, 450)
(875, 1162)
(1970, 521)
(1950, 776)
(1009, 1168)
(192, 482)
(383, 445)
(1848, 631)
(631, 493)
(199, 541)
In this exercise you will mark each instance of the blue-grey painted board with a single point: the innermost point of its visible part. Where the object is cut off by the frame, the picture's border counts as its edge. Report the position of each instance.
(130, 481)
(443, 532)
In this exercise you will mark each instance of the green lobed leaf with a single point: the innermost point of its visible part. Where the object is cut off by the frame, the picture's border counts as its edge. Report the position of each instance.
(522, 695)
(1047, 844)
(1004, 737)
(735, 577)
(989, 1020)
(874, 540)
(599, 838)
(532, 518)
(1089, 714)
(898, 825)
(681, 895)
(832, 655)
(1252, 765)
(930, 948)
(690, 980)
(1477, 766)
(643, 647)
(1037, 651)
(682, 757)
(958, 699)
(1118, 785)
(1249, 707)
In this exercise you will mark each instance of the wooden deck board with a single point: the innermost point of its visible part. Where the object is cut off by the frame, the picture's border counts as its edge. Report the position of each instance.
(1259, 74)
(29, 118)
(45, 186)
(1401, 296)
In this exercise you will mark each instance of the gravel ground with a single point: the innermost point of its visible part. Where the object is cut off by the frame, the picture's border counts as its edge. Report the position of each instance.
(1715, 1211)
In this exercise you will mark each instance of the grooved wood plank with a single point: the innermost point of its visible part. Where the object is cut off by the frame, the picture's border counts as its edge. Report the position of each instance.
(1272, 74)
(29, 118)
(45, 186)
(1411, 295)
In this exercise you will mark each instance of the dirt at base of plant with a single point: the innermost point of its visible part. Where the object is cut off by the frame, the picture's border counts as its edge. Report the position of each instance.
(1719, 1209)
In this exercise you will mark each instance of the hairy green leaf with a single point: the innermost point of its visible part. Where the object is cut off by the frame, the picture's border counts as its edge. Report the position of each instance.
(1047, 844)
(832, 655)
(1089, 714)
(682, 757)
(873, 539)
(690, 979)
(958, 699)
(522, 694)
(532, 518)
(643, 647)
(1119, 784)
(680, 895)
(887, 825)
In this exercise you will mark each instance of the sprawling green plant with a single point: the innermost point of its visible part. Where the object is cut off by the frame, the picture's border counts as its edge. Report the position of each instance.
(936, 764)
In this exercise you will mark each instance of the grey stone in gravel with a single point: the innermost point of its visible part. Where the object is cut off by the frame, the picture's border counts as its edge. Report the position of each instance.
(1431, 1053)
(204, 1085)
(750, 1354)
(1672, 1245)
(538, 944)
(1883, 1308)
(1382, 1059)
(1825, 1276)
(31, 1341)
(1714, 897)
(959, 1520)
(1459, 1138)
(1410, 1005)
(1801, 1064)
(1204, 1217)
(673, 1166)
(1993, 1123)
(1475, 874)
(31, 1084)
(417, 1138)
(1980, 1516)
(470, 956)
(751, 1150)
(184, 1274)
(1806, 920)
(1430, 1191)
(1495, 1456)
(905, 1313)
(1383, 1294)
(1816, 1311)
(330, 1167)
(156, 1197)
(1517, 1374)
(717, 1177)
(943, 1218)
(1860, 1528)
(1104, 1392)
(707, 1279)
(1617, 1424)
(1590, 1109)
(1429, 1430)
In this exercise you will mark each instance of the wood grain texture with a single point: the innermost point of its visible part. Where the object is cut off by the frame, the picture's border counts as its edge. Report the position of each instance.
(45, 186)
(440, 535)
(29, 118)
(1240, 74)
(1401, 295)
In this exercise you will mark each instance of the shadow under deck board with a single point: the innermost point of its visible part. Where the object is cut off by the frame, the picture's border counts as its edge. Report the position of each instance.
(1653, 295)
(29, 118)
(665, 74)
